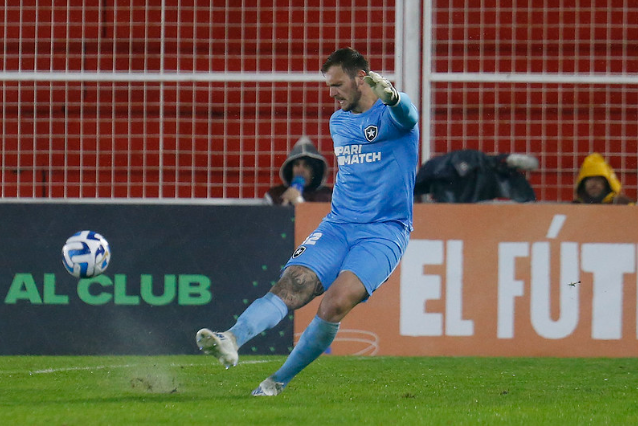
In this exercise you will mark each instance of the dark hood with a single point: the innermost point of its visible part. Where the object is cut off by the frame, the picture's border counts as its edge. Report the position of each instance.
(304, 148)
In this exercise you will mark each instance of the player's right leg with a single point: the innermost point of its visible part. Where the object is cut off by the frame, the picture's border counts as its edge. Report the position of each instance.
(296, 287)
(263, 314)
(220, 345)
(321, 255)
(375, 252)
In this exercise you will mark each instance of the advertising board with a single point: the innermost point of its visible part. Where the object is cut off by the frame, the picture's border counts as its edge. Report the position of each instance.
(501, 280)
(174, 269)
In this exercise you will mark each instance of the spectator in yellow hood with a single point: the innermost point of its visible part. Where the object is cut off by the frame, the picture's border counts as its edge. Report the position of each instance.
(598, 184)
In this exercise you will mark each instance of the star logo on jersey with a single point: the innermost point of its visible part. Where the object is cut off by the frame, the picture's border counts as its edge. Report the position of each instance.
(298, 252)
(371, 132)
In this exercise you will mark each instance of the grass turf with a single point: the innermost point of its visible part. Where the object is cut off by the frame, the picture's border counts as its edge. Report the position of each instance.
(193, 390)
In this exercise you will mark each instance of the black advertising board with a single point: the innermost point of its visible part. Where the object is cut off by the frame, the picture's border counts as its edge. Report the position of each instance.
(174, 269)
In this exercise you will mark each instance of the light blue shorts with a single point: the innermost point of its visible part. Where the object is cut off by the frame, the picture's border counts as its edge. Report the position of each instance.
(371, 251)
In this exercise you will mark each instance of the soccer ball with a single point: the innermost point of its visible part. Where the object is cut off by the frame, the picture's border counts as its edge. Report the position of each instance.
(86, 254)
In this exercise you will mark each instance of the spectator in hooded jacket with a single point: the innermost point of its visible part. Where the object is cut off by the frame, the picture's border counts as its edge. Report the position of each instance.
(598, 184)
(303, 175)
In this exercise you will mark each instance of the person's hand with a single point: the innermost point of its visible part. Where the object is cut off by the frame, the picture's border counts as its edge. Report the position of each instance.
(291, 196)
(382, 88)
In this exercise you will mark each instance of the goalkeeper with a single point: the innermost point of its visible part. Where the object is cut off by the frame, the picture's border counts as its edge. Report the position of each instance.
(360, 242)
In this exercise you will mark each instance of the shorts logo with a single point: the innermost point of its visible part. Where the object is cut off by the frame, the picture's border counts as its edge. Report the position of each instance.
(371, 132)
(298, 252)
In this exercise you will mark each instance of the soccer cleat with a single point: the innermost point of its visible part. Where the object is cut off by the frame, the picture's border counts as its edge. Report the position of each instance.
(269, 388)
(220, 345)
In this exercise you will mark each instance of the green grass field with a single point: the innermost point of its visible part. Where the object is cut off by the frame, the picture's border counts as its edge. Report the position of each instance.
(194, 390)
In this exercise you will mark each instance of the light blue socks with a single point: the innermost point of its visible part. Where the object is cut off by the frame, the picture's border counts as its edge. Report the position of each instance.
(313, 342)
(263, 314)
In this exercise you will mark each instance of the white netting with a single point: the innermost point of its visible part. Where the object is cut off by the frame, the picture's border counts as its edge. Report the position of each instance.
(204, 99)
(173, 98)
(555, 79)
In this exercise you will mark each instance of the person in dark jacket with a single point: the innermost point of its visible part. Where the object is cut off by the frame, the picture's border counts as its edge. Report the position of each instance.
(304, 175)
(597, 183)
(471, 176)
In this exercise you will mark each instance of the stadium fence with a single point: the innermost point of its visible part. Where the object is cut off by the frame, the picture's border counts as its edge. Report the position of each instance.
(190, 99)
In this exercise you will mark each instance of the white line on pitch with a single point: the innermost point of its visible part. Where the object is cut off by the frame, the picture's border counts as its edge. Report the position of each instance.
(102, 367)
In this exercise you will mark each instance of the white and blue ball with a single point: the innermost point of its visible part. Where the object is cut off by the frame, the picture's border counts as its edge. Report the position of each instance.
(86, 254)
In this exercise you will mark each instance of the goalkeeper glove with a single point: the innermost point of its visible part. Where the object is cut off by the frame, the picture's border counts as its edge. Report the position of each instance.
(382, 88)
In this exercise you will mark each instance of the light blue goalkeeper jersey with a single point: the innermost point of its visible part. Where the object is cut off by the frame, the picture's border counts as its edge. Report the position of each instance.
(377, 159)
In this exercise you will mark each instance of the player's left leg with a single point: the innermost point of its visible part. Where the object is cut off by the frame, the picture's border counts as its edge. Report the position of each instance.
(375, 251)
(343, 295)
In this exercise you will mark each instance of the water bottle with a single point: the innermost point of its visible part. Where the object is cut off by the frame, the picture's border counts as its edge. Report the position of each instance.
(298, 183)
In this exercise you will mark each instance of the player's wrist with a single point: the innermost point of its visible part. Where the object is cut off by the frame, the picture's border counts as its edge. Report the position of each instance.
(395, 100)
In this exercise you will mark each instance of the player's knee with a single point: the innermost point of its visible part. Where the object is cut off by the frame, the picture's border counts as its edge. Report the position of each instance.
(297, 286)
(330, 313)
(334, 309)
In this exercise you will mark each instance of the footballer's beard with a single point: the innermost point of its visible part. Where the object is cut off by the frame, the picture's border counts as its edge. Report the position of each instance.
(349, 105)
